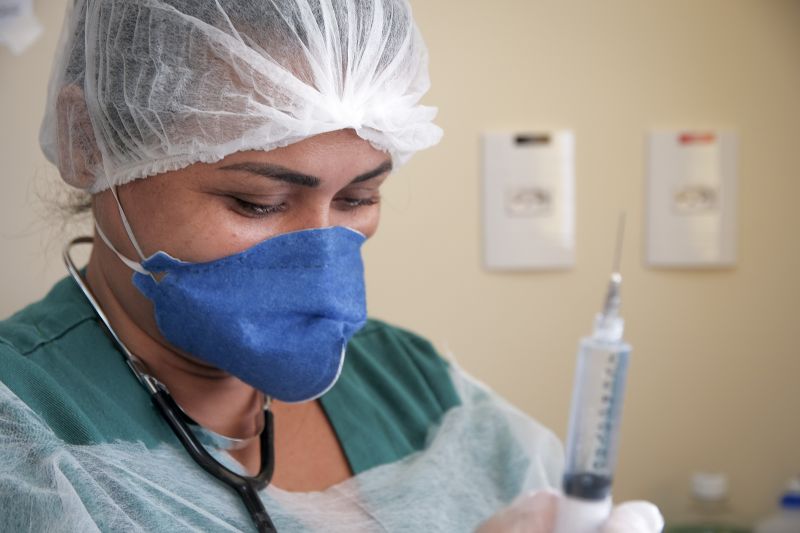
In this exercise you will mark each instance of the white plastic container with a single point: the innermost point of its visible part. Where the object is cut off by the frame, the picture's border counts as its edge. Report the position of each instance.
(709, 511)
(787, 520)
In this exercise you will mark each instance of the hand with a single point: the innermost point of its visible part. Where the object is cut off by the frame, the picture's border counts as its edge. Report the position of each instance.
(535, 512)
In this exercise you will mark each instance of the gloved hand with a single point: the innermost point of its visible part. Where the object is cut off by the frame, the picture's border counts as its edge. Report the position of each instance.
(536, 512)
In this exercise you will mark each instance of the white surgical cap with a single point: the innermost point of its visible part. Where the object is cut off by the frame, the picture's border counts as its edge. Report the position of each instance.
(141, 87)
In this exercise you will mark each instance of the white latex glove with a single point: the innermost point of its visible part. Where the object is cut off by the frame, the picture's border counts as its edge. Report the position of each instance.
(535, 512)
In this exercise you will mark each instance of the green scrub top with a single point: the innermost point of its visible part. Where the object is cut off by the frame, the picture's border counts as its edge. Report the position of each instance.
(58, 359)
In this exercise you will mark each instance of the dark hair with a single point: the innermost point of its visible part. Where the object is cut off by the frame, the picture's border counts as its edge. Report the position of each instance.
(60, 203)
(76, 202)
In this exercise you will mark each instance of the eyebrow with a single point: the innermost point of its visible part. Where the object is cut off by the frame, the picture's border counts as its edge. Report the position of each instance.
(279, 173)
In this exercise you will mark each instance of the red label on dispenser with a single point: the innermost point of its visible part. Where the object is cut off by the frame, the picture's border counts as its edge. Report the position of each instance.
(696, 138)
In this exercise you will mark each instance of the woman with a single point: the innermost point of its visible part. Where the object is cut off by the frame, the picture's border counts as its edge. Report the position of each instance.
(234, 153)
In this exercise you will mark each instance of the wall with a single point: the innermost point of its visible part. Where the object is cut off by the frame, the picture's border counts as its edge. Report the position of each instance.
(714, 380)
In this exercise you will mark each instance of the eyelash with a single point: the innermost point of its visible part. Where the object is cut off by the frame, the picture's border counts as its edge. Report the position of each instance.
(260, 210)
(354, 203)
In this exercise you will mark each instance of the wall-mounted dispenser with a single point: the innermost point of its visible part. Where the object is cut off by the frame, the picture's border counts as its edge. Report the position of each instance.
(529, 200)
(691, 199)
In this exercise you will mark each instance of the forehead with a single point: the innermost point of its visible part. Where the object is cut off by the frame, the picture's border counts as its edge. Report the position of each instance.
(329, 155)
(334, 159)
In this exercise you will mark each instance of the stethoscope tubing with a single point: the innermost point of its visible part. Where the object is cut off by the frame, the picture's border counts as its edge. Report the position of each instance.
(246, 487)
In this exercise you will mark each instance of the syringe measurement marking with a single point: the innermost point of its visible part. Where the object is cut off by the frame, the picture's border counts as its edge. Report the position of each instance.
(606, 412)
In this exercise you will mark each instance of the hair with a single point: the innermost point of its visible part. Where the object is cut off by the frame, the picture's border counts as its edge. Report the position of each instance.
(62, 211)
(76, 203)
(62, 203)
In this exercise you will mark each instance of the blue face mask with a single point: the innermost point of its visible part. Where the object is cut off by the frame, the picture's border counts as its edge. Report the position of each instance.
(277, 315)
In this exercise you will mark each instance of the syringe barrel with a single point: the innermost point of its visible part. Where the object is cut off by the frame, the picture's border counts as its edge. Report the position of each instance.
(595, 418)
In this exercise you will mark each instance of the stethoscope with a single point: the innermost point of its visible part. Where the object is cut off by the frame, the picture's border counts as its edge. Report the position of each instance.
(246, 487)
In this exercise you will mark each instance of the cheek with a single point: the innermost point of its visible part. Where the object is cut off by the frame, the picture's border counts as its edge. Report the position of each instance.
(190, 226)
(364, 220)
(372, 226)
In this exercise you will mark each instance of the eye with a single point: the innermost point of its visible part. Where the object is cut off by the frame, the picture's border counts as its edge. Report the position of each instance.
(249, 209)
(348, 204)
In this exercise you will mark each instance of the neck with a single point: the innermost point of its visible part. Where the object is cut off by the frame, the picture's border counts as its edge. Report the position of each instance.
(212, 397)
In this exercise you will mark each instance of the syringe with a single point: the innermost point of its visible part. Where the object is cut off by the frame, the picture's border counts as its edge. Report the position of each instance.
(595, 416)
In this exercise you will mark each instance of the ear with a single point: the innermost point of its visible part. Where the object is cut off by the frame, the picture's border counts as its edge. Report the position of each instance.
(78, 155)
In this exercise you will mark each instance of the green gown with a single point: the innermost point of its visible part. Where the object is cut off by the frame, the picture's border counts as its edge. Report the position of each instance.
(82, 448)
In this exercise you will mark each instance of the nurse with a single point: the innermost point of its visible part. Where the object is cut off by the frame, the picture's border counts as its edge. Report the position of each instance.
(234, 153)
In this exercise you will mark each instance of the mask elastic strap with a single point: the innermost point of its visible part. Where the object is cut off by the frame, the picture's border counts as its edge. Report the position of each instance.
(133, 265)
(125, 223)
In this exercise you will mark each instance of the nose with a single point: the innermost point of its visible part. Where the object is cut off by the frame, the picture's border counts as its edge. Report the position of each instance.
(310, 216)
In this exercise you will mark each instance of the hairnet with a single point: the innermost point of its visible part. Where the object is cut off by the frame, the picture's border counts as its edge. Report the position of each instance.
(140, 87)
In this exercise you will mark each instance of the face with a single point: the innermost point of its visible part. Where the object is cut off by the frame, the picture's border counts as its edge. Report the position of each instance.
(208, 211)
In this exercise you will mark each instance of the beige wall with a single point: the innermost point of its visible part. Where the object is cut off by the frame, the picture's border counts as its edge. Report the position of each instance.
(715, 379)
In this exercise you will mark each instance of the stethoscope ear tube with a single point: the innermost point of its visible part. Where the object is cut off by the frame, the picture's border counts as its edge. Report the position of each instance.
(247, 487)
